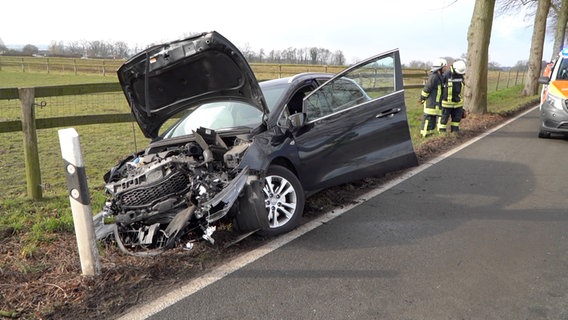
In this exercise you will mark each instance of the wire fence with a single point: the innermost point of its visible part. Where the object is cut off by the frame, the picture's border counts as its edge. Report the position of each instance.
(68, 105)
(107, 142)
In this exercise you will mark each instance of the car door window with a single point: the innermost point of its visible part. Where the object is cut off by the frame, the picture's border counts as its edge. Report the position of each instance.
(294, 104)
(563, 70)
(373, 80)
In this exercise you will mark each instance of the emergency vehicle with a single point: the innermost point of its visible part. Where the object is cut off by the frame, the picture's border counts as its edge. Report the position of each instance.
(554, 97)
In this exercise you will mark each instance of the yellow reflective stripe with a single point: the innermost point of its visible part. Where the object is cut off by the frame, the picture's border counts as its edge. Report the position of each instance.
(448, 101)
(432, 111)
(439, 93)
(449, 104)
(424, 132)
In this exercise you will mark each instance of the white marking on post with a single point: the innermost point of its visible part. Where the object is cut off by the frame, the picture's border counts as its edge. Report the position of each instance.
(80, 201)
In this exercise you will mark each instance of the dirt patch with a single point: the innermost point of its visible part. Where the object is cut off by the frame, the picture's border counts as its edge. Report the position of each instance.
(49, 285)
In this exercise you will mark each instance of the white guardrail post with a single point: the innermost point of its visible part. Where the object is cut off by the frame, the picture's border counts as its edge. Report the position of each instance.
(80, 201)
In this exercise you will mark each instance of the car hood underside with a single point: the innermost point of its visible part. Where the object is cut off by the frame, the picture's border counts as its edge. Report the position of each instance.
(166, 79)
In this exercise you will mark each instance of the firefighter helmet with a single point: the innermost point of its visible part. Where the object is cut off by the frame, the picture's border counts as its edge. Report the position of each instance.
(439, 64)
(459, 67)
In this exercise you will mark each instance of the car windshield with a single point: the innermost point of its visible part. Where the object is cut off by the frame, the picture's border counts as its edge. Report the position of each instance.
(273, 94)
(228, 114)
(563, 70)
(216, 116)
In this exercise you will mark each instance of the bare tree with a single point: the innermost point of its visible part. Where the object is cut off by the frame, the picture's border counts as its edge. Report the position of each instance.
(120, 49)
(324, 56)
(2, 46)
(314, 55)
(521, 65)
(561, 11)
(75, 49)
(56, 48)
(478, 38)
(261, 55)
(537, 47)
(247, 52)
(338, 58)
(98, 49)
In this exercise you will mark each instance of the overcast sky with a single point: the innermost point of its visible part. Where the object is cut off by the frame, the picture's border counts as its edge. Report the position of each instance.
(422, 30)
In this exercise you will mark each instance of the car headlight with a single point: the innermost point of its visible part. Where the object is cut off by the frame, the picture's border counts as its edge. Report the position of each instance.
(555, 101)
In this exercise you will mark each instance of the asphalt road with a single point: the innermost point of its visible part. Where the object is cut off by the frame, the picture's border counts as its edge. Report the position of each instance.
(481, 234)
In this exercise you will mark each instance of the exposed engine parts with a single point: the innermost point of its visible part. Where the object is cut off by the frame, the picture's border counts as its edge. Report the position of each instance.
(158, 198)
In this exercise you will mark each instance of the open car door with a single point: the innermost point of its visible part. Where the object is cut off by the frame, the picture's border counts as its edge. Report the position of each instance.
(358, 121)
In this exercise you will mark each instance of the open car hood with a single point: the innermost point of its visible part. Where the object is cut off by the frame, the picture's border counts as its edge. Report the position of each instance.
(165, 79)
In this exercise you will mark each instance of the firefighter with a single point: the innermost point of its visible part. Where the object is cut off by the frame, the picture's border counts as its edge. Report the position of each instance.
(430, 97)
(452, 101)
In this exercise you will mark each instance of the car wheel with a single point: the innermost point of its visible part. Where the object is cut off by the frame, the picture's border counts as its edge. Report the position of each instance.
(543, 134)
(284, 201)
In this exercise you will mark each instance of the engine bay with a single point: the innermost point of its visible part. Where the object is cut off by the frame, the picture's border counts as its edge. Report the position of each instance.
(155, 194)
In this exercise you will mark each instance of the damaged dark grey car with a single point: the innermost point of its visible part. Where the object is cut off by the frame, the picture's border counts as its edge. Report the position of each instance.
(244, 152)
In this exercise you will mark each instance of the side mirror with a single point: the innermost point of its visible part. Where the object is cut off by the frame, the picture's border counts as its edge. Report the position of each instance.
(296, 120)
(543, 80)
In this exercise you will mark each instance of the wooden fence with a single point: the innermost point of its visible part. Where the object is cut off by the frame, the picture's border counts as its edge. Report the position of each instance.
(108, 67)
(28, 123)
(105, 67)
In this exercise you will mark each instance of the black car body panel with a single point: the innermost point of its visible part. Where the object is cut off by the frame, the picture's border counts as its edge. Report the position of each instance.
(366, 146)
(364, 140)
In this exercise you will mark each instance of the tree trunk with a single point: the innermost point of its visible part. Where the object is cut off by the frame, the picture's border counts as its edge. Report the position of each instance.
(478, 38)
(537, 47)
(560, 31)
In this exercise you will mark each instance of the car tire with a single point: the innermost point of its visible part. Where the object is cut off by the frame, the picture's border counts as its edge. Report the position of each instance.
(284, 201)
(544, 134)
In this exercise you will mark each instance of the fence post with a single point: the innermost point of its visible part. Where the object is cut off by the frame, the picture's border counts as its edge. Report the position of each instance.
(498, 77)
(79, 199)
(31, 154)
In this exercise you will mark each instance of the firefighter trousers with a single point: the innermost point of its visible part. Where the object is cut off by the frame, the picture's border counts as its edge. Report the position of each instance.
(430, 120)
(455, 113)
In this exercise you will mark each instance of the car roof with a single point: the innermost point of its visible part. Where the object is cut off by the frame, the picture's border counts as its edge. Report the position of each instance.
(296, 78)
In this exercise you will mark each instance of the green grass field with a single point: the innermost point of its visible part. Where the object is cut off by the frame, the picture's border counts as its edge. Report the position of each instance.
(102, 146)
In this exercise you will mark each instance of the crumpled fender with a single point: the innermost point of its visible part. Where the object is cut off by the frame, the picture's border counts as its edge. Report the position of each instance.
(228, 196)
(102, 230)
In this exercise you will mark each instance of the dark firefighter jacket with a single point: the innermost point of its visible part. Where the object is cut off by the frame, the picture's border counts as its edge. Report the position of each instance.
(432, 91)
(452, 89)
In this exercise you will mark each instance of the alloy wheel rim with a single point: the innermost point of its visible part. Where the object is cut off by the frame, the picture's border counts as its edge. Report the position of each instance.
(280, 200)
